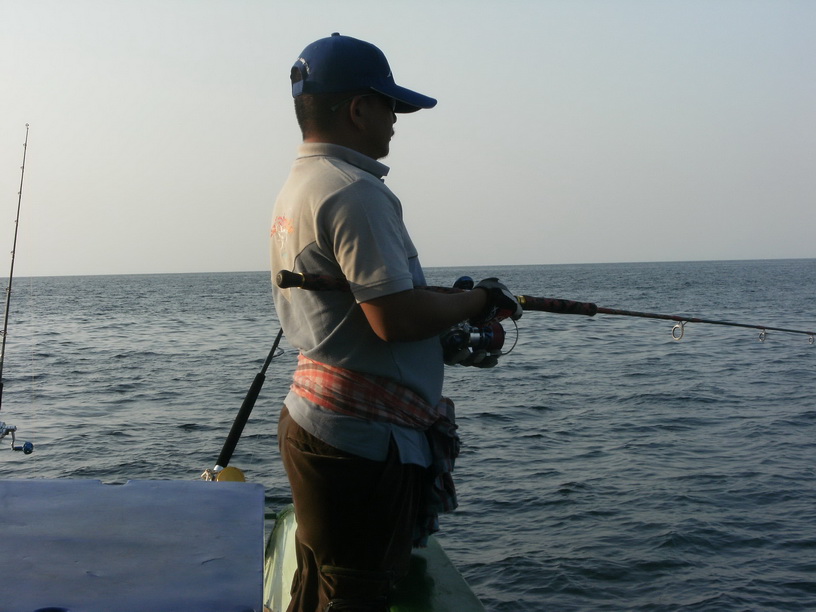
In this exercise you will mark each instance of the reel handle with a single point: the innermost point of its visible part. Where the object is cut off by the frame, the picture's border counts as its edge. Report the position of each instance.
(27, 448)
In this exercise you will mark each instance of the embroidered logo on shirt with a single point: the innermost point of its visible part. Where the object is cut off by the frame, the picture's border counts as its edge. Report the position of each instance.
(281, 228)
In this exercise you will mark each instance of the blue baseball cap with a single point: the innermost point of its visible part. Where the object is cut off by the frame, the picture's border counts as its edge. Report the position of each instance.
(342, 63)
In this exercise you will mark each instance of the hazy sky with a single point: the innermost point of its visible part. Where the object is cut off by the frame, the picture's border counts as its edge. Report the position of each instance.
(566, 131)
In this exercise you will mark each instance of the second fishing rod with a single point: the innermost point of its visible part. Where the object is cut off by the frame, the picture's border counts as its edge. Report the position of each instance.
(315, 282)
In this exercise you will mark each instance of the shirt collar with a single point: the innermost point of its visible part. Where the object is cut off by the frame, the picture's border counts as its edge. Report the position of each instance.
(355, 158)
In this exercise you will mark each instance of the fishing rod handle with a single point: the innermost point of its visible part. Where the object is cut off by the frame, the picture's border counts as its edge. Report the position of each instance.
(286, 279)
(557, 306)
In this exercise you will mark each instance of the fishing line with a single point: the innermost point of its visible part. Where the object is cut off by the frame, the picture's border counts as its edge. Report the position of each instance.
(316, 282)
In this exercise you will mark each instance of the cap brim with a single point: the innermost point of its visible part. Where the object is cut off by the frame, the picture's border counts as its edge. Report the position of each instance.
(407, 101)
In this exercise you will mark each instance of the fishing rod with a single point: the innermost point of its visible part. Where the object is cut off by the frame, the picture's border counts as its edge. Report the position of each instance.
(219, 472)
(27, 447)
(11, 272)
(317, 282)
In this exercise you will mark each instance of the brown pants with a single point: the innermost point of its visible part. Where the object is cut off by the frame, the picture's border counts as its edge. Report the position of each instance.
(355, 522)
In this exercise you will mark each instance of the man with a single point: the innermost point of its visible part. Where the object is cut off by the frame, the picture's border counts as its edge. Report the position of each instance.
(354, 430)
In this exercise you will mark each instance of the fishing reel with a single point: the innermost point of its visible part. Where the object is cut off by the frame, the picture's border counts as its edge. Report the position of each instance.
(470, 345)
(27, 447)
(473, 345)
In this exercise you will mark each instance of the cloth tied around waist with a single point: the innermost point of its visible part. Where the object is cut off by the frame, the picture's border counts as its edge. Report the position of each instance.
(376, 398)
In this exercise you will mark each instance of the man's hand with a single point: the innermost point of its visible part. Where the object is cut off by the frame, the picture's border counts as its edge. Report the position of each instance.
(501, 304)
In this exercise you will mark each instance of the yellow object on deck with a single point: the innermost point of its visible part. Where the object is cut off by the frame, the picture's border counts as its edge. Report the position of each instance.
(230, 474)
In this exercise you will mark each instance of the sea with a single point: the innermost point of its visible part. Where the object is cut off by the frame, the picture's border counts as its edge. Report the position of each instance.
(605, 465)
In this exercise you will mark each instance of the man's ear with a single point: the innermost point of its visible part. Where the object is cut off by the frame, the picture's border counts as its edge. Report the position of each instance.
(357, 110)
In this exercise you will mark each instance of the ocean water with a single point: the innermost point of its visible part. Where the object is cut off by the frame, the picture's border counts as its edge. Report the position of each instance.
(605, 466)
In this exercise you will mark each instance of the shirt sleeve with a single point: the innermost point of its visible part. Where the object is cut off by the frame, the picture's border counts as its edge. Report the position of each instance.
(362, 225)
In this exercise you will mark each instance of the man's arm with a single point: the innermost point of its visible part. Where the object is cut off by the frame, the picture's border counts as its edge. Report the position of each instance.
(418, 314)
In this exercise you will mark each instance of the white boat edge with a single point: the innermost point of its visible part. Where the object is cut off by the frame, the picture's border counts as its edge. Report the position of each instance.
(433, 583)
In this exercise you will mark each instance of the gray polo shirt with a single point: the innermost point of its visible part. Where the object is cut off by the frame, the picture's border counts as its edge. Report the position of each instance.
(335, 216)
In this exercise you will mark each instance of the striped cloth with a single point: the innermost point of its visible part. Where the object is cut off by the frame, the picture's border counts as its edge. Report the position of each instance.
(377, 398)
